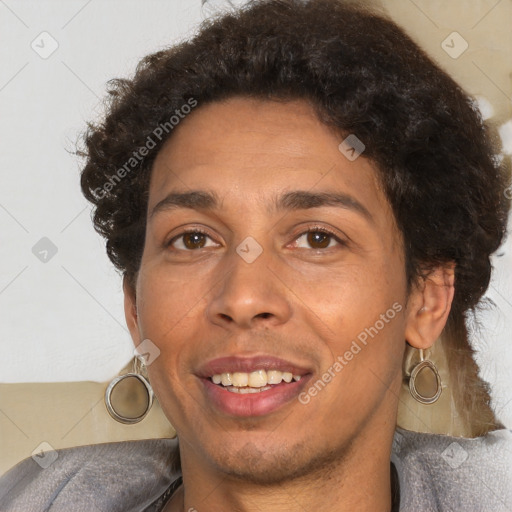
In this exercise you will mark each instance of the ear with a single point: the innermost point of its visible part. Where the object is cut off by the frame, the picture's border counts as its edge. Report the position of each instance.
(130, 310)
(429, 306)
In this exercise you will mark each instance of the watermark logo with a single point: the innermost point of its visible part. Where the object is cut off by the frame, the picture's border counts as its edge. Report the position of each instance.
(454, 455)
(157, 135)
(454, 45)
(249, 249)
(215, 7)
(45, 455)
(44, 250)
(146, 351)
(355, 347)
(45, 45)
(352, 147)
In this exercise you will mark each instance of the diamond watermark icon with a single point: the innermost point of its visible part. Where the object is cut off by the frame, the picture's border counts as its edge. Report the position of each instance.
(146, 351)
(249, 249)
(45, 455)
(454, 455)
(44, 45)
(44, 250)
(214, 7)
(352, 147)
(454, 45)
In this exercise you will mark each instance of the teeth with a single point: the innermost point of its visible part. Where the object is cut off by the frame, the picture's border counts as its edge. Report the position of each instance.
(226, 379)
(246, 390)
(274, 376)
(258, 379)
(240, 379)
(287, 376)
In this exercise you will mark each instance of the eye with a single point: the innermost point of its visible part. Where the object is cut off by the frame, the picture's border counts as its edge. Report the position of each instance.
(193, 239)
(320, 238)
(189, 240)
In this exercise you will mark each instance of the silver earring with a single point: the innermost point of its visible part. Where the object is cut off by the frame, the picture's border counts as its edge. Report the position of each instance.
(419, 371)
(129, 397)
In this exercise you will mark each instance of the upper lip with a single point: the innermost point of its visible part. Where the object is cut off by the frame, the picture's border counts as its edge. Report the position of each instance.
(231, 364)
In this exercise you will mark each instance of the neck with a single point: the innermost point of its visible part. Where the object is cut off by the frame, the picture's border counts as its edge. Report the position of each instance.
(357, 479)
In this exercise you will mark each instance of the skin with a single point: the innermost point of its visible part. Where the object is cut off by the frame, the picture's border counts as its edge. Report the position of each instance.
(304, 299)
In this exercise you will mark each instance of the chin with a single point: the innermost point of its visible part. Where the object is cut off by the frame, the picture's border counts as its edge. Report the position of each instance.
(269, 465)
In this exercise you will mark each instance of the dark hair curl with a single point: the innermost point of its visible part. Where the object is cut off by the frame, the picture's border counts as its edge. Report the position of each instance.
(435, 156)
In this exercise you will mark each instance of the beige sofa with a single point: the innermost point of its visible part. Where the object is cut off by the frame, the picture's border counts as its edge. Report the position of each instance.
(62, 415)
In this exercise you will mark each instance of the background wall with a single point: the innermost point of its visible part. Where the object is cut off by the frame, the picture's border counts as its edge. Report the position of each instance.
(60, 298)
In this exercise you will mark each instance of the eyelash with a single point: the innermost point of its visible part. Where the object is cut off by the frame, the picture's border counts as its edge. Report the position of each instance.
(310, 229)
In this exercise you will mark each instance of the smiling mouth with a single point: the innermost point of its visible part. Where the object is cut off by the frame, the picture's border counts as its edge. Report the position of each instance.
(257, 393)
(253, 382)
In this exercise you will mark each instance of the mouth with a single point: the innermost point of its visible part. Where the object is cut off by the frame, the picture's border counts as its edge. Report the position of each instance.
(248, 387)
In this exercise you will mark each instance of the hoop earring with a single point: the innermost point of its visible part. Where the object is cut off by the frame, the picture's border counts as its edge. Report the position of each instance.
(422, 366)
(129, 397)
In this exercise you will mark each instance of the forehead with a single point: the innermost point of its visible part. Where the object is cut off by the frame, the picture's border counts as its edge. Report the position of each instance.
(246, 149)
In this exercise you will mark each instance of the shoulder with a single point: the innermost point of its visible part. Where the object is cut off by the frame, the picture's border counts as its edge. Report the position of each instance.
(456, 473)
(118, 476)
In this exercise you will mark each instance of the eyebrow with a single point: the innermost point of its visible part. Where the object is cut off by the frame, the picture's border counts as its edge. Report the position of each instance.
(294, 200)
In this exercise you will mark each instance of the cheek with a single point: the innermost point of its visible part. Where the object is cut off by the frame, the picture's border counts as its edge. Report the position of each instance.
(165, 301)
(366, 364)
(354, 298)
(171, 307)
(365, 310)
(166, 317)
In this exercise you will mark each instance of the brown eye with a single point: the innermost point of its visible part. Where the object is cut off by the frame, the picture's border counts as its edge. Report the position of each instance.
(318, 239)
(193, 240)
(189, 241)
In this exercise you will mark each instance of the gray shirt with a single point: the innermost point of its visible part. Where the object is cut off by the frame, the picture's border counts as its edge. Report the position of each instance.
(436, 473)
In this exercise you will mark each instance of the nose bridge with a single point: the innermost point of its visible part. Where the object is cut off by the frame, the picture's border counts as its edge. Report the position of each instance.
(248, 290)
(249, 262)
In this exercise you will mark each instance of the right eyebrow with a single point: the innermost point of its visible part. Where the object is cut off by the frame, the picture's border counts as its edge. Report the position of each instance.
(197, 200)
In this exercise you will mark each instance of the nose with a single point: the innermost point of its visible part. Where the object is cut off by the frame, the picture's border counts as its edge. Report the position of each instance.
(249, 294)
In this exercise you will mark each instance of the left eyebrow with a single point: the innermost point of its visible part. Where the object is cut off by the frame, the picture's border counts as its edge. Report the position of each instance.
(303, 199)
(294, 200)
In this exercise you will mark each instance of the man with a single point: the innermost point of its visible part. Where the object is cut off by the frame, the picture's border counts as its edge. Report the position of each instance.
(297, 175)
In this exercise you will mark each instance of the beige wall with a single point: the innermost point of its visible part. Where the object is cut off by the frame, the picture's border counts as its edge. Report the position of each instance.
(485, 67)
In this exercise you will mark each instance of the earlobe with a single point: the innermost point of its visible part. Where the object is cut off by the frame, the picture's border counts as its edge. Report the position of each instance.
(429, 307)
(130, 310)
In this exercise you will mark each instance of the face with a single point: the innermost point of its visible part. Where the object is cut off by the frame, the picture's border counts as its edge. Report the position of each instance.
(287, 258)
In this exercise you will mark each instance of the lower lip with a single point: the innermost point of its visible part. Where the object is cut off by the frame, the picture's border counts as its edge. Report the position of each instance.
(253, 404)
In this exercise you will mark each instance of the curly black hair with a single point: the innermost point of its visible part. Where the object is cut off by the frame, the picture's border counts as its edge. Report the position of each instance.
(435, 156)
